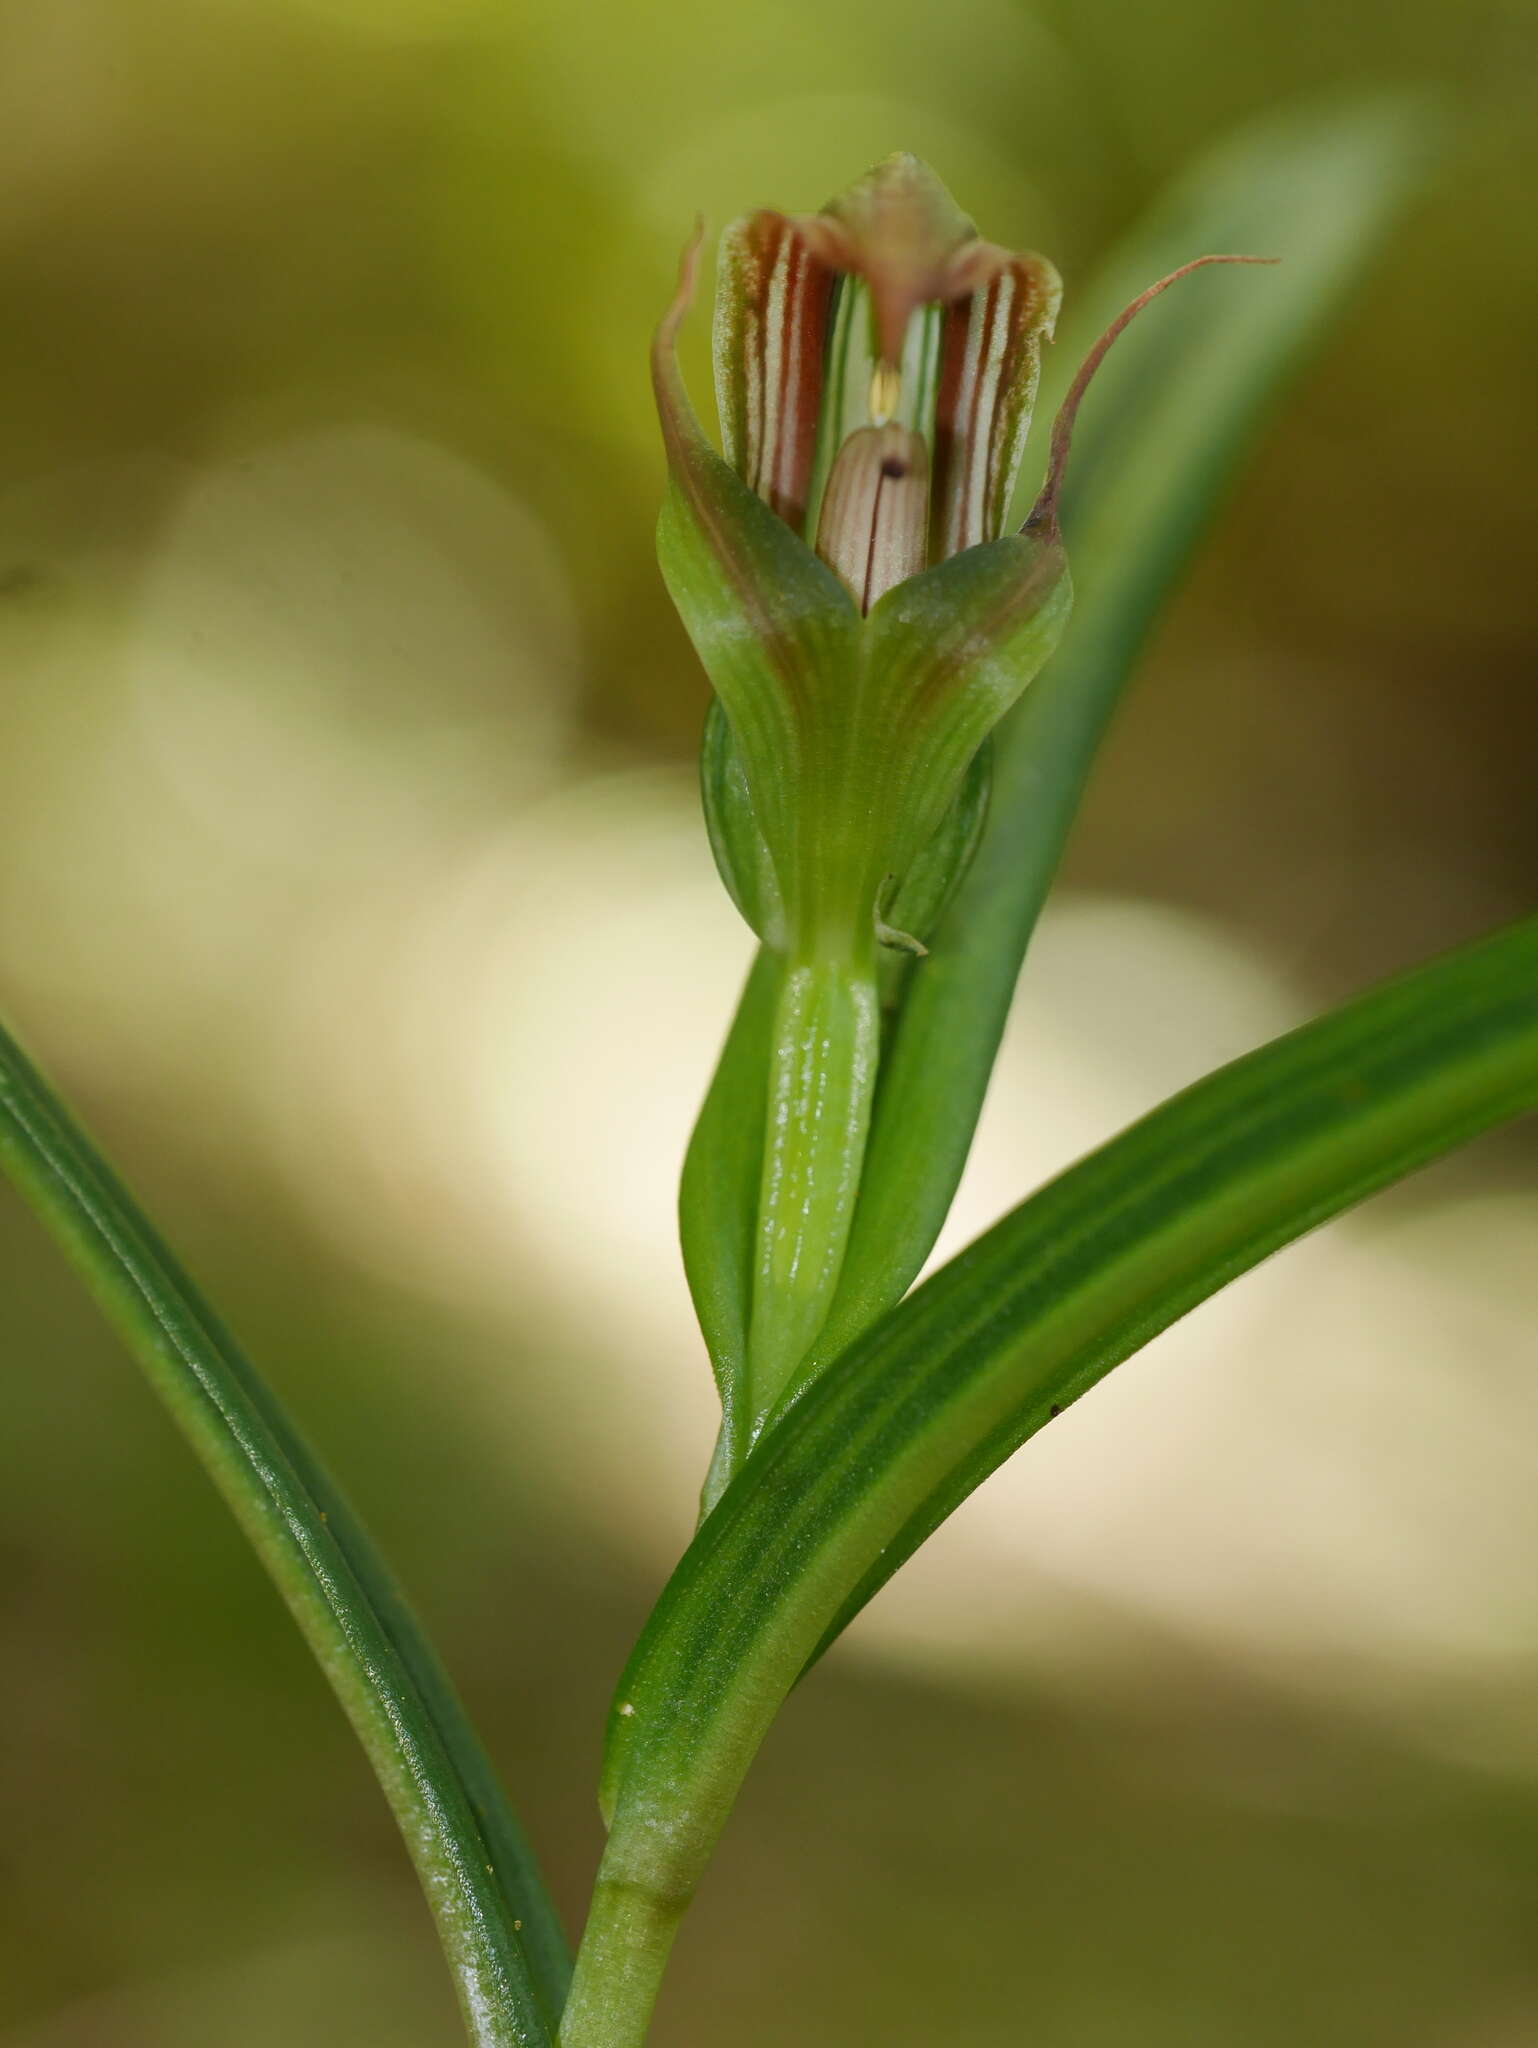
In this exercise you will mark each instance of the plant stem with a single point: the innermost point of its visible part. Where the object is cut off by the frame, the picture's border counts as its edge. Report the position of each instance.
(822, 1074)
(624, 1950)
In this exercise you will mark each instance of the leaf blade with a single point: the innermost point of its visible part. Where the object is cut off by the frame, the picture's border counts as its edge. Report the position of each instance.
(474, 1862)
(718, 1203)
(1173, 409)
(924, 1405)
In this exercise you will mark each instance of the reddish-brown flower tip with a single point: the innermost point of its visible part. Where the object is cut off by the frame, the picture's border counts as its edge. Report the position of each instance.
(1043, 516)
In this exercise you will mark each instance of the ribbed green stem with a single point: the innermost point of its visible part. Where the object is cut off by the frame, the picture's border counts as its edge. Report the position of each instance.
(822, 1073)
(624, 1951)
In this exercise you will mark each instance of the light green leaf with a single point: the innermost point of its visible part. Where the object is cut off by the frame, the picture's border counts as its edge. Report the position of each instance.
(743, 860)
(498, 1928)
(1179, 399)
(926, 1404)
(718, 1204)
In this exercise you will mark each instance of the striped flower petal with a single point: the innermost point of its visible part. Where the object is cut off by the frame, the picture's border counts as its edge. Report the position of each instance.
(990, 364)
(885, 305)
(774, 298)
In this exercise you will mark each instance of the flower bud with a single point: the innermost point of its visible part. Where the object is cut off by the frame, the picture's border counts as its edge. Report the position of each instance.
(875, 367)
(886, 305)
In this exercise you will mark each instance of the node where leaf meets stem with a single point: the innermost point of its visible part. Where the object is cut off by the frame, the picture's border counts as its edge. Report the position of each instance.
(625, 1949)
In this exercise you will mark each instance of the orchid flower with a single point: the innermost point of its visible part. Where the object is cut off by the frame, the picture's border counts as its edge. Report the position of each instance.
(843, 571)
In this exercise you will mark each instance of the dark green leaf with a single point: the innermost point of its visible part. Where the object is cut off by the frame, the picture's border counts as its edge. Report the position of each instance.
(475, 1866)
(718, 1204)
(1180, 397)
(924, 1405)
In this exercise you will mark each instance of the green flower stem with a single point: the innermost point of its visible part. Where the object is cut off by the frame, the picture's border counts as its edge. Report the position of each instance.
(822, 1074)
(624, 1952)
(494, 1919)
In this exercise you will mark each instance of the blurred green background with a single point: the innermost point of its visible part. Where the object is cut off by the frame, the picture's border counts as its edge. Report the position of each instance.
(350, 880)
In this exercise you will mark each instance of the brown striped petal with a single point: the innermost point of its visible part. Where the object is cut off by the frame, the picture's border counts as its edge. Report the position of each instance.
(990, 362)
(773, 302)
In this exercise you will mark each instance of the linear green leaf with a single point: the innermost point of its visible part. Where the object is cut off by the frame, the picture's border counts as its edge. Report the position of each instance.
(924, 1405)
(498, 1928)
(718, 1202)
(1179, 399)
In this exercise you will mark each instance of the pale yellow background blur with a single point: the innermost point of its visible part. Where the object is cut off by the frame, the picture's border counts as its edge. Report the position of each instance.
(352, 881)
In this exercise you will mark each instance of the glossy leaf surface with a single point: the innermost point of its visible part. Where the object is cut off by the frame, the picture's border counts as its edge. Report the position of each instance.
(1181, 396)
(498, 1929)
(920, 1409)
